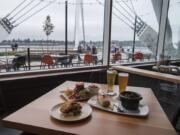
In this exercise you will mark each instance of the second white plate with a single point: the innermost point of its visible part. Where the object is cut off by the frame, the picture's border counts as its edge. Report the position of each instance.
(142, 111)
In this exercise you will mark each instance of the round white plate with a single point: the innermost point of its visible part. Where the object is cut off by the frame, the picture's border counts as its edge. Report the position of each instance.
(85, 112)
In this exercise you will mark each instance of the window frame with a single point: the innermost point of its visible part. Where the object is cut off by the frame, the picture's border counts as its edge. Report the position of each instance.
(106, 45)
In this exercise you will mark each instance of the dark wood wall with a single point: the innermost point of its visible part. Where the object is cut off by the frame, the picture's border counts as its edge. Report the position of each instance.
(17, 93)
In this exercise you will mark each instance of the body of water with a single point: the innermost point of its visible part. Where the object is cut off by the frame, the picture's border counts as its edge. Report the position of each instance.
(7, 48)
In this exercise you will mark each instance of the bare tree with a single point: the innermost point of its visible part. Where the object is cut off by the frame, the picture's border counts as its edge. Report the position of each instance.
(48, 27)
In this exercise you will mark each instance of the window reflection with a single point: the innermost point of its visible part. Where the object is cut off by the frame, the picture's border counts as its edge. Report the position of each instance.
(35, 30)
(172, 40)
(135, 27)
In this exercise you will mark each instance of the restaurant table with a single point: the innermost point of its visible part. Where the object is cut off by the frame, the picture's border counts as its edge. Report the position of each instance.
(60, 58)
(35, 117)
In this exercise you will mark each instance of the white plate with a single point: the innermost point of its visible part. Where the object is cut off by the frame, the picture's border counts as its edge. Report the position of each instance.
(142, 111)
(85, 112)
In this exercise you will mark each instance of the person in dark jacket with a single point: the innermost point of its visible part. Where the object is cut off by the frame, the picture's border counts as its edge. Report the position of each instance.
(94, 52)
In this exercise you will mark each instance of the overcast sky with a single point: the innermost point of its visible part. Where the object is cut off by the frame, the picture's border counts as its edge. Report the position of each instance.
(93, 15)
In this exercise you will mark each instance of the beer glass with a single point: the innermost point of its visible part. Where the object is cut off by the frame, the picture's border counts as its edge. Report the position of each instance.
(123, 81)
(111, 78)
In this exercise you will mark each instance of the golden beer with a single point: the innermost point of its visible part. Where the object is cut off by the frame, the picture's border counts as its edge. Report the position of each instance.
(111, 77)
(123, 81)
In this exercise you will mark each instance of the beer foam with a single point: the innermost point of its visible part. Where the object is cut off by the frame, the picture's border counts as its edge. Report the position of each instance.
(111, 72)
(123, 74)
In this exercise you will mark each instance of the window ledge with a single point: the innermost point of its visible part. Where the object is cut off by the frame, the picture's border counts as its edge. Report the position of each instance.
(47, 73)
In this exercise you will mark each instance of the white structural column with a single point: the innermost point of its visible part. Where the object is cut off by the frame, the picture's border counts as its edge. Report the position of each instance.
(107, 31)
(82, 16)
(76, 29)
(79, 11)
(162, 29)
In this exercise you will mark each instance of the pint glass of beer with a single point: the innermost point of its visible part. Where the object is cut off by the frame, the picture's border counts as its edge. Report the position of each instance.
(111, 78)
(123, 81)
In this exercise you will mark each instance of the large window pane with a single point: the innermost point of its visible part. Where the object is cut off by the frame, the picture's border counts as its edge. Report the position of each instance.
(40, 26)
(172, 38)
(135, 26)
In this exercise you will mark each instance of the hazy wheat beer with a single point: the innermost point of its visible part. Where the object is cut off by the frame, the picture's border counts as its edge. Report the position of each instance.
(111, 77)
(123, 81)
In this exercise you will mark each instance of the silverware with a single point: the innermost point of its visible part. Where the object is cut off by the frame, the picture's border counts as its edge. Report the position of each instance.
(119, 108)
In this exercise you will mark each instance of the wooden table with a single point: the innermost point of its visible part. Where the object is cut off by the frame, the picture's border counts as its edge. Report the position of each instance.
(35, 118)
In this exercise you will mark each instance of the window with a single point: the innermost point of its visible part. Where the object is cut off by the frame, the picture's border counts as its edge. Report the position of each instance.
(172, 37)
(135, 28)
(41, 27)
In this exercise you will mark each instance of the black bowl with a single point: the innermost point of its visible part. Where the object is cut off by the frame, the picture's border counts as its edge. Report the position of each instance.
(130, 100)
